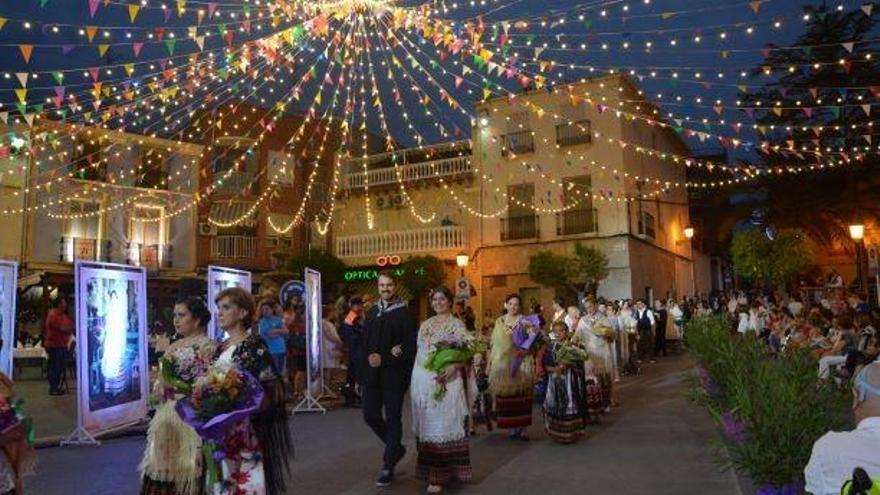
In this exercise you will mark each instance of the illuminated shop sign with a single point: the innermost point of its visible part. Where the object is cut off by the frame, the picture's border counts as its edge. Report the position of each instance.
(372, 273)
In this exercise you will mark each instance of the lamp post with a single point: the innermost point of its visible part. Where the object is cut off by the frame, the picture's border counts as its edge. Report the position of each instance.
(689, 235)
(857, 233)
(462, 259)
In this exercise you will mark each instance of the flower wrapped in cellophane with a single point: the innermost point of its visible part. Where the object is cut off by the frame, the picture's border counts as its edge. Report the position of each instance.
(571, 355)
(448, 349)
(220, 399)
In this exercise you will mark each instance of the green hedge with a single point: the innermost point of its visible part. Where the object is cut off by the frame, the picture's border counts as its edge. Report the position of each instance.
(770, 410)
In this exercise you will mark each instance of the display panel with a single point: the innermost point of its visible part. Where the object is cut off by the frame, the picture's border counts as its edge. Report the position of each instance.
(111, 341)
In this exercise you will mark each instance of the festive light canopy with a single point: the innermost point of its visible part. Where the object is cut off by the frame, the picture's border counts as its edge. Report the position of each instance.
(77, 87)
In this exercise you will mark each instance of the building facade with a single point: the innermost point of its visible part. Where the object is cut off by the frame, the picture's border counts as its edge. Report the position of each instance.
(545, 171)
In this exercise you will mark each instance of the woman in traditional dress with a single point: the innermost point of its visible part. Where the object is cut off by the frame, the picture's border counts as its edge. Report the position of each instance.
(17, 456)
(511, 372)
(565, 416)
(595, 333)
(256, 450)
(172, 462)
(439, 424)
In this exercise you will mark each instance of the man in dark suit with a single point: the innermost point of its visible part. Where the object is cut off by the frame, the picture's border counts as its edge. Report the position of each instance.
(390, 348)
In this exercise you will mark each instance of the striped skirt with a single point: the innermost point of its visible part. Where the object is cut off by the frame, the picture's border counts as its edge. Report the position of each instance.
(564, 414)
(514, 411)
(441, 463)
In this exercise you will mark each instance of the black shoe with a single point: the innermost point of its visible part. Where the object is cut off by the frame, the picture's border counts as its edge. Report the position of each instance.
(56, 392)
(386, 476)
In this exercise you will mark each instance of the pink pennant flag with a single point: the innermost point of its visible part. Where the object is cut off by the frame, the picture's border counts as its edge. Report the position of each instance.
(93, 7)
(211, 8)
(136, 46)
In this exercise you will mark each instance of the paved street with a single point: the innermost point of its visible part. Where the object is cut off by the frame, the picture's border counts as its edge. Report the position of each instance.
(655, 443)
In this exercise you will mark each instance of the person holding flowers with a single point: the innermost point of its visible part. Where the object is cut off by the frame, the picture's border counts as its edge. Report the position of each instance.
(441, 391)
(172, 461)
(252, 450)
(565, 415)
(17, 456)
(596, 333)
(515, 339)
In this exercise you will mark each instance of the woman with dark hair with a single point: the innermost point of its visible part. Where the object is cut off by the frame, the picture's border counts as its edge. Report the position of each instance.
(257, 450)
(439, 423)
(172, 462)
(512, 370)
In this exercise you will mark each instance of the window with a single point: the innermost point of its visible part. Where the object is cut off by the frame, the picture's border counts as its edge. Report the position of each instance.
(519, 137)
(521, 222)
(276, 222)
(647, 225)
(81, 238)
(280, 168)
(87, 226)
(581, 217)
(151, 174)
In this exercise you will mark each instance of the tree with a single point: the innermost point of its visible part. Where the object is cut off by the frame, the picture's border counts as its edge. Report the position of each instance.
(818, 112)
(580, 272)
(420, 274)
(332, 268)
(758, 258)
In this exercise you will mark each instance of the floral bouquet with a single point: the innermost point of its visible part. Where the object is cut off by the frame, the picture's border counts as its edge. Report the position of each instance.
(220, 399)
(181, 369)
(453, 348)
(571, 355)
(525, 336)
(604, 330)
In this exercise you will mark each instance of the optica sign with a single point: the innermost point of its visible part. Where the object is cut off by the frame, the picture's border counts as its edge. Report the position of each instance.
(367, 274)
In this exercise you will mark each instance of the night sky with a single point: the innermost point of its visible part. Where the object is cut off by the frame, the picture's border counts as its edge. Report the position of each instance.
(725, 47)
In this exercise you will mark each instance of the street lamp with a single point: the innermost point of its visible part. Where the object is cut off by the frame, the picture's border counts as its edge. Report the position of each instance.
(462, 259)
(857, 232)
(688, 232)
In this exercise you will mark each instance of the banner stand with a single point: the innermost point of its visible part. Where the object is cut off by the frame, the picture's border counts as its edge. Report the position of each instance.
(110, 299)
(314, 346)
(80, 436)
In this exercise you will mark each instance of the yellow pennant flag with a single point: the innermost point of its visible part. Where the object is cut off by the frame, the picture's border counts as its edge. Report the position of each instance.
(129, 69)
(133, 10)
(102, 50)
(2, 22)
(181, 7)
(22, 95)
(486, 93)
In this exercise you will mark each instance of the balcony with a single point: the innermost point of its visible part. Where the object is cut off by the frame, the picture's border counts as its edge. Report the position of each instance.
(519, 228)
(82, 248)
(574, 133)
(236, 183)
(579, 221)
(150, 256)
(449, 238)
(233, 247)
(517, 143)
(416, 171)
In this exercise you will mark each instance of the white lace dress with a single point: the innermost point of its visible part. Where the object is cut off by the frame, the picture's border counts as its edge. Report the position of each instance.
(439, 425)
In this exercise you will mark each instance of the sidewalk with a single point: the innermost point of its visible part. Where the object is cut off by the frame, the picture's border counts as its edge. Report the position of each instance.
(655, 443)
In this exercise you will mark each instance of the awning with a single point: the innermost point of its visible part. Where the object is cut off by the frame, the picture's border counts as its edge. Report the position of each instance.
(225, 212)
(28, 280)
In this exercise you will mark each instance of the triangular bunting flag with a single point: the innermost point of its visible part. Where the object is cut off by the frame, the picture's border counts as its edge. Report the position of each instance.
(93, 7)
(26, 51)
(133, 10)
(90, 32)
(102, 50)
(22, 78)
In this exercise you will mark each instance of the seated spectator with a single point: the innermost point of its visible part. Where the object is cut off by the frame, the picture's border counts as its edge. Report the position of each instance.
(836, 454)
